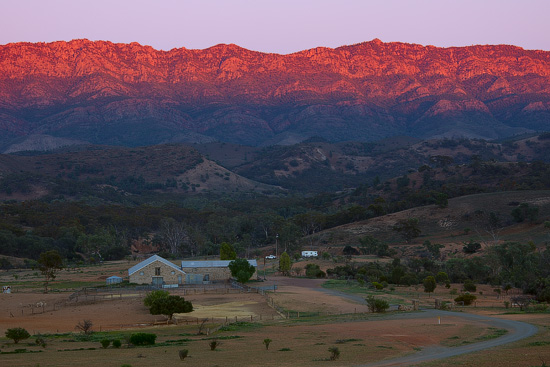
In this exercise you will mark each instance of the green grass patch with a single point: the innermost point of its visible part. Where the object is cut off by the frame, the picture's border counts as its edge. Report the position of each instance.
(21, 350)
(494, 333)
(345, 286)
(539, 344)
(241, 326)
(98, 336)
(223, 337)
(343, 341)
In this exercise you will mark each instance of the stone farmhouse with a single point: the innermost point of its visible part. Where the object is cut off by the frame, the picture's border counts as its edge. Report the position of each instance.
(157, 271)
(160, 272)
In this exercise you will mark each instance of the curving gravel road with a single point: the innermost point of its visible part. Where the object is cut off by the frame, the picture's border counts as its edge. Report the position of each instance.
(516, 331)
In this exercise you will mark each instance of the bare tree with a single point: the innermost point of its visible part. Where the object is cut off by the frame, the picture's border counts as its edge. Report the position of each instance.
(85, 326)
(173, 234)
(490, 223)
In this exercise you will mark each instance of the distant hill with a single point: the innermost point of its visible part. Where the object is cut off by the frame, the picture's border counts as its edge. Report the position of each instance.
(320, 166)
(396, 169)
(173, 168)
(132, 95)
(463, 220)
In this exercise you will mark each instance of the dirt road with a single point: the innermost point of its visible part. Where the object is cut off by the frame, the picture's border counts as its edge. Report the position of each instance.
(516, 331)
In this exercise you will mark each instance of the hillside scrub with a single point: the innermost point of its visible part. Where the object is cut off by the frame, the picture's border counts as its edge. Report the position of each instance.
(508, 264)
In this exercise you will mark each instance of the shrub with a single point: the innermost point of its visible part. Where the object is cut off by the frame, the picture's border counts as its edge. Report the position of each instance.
(183, 353)
(314, 271)
(267, 341)
(466, 298)
(213, 344)
(116, 343)
(377, 305)
(377, 285)
(105, 343)
(40, 341)
(334, 353)
(143, 339)
(469, 286)
(17, 334)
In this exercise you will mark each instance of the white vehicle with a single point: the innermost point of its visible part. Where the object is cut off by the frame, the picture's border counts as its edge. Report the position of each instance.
(309, 254)
(271, 257)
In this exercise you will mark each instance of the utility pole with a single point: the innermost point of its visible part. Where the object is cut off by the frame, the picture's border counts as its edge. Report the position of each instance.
(277, 245)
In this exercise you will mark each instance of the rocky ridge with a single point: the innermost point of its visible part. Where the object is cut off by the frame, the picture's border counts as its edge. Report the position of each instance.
(129, 94)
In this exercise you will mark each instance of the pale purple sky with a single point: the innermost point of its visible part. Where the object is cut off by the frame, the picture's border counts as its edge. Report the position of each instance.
(280, 26)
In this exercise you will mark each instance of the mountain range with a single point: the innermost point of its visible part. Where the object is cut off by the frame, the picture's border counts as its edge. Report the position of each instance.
(66, 93)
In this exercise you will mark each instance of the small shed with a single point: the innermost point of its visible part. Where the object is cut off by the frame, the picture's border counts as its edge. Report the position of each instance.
(113, 280)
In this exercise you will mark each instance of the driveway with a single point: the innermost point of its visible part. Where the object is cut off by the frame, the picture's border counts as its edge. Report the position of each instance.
(516, 331)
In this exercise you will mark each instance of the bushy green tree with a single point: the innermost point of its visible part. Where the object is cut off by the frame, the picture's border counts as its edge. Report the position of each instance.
(170, 305)
(241, 270)
(17, 334)
(429, 284)
(285, 264)
(49, 263)
(408, 228)
(433, 249)
(227, 252)
(442, 200)
(466, 299)
(373, 246)
(442, 277)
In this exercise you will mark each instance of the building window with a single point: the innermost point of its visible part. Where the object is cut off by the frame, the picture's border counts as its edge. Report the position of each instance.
(157, 271)
(173, 272)
(140, 273)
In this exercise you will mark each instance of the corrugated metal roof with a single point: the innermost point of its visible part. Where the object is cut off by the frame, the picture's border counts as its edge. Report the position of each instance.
(151, 260)
(212, 264)
(114, 277)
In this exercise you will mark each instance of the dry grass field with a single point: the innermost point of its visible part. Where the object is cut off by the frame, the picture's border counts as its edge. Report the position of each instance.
(361, 337)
